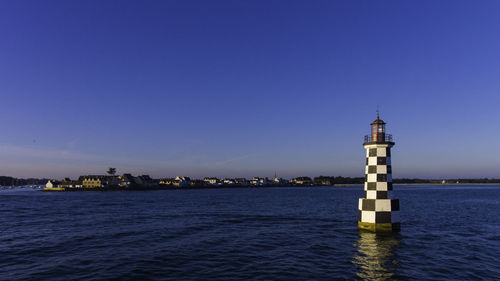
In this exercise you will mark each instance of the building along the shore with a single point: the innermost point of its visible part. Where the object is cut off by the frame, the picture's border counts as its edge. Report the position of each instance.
(212, 181)
(68, 183)
(302, 181)
(98, 181)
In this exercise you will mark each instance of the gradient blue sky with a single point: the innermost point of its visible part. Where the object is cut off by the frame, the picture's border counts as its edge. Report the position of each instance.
(244, 88)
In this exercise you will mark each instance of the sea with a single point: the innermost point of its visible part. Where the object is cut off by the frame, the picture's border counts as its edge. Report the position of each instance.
(290, 233)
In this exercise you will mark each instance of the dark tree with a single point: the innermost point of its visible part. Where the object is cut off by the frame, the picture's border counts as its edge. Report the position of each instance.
(323, 180)
(111, 171)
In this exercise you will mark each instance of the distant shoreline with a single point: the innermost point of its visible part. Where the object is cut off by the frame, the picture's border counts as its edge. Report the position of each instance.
(440, 184)
(159, 187)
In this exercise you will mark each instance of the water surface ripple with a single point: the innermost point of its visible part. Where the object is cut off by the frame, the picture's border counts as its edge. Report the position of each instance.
(448, 233)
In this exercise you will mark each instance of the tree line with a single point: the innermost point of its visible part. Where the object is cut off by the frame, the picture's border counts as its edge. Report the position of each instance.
(321, 180)
(11, 181)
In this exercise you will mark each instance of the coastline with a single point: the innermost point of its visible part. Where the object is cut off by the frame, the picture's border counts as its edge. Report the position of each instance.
(437, 184)
(160, 187)
(445, 184)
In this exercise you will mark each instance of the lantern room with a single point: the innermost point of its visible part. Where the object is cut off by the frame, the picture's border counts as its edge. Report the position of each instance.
(378, 134)
(378, 130)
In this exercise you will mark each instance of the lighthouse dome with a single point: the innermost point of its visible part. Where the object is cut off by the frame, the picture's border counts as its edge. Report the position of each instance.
(378, 121)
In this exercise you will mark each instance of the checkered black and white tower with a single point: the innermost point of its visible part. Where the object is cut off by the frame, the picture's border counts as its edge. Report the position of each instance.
(378, 212)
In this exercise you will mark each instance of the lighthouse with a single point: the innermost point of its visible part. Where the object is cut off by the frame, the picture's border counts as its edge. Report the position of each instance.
(378, 212)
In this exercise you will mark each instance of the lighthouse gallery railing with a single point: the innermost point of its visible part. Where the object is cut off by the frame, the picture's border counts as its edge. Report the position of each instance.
(387, 138)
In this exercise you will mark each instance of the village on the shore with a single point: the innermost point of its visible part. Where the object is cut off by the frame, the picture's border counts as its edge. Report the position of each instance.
(129, 182)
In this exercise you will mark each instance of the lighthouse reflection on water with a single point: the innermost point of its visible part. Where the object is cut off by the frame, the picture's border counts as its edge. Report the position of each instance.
(375, 258)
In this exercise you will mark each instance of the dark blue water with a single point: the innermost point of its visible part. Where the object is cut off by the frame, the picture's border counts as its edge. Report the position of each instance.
(448, 233)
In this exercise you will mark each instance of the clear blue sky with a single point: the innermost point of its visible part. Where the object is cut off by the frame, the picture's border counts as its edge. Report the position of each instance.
(246, 88)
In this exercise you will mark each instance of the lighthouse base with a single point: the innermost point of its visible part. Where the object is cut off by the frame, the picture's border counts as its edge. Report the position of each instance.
(380, 227)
